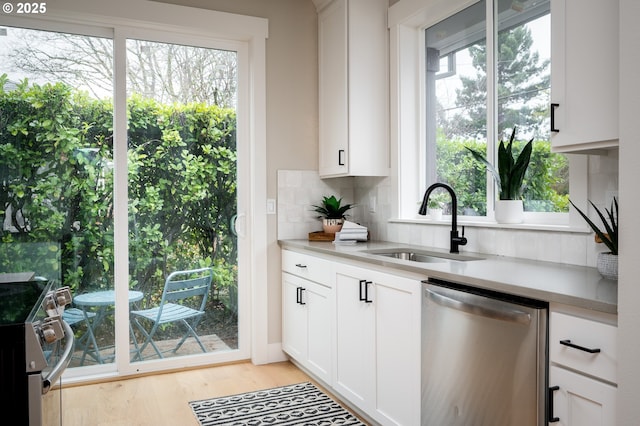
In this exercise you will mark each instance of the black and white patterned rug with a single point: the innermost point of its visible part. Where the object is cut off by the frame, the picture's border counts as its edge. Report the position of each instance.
(301, 404)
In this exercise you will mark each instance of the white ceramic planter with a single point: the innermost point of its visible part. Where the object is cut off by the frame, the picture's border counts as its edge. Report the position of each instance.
(331, 226)
(509, 211)
(607, 265)
(435, 214)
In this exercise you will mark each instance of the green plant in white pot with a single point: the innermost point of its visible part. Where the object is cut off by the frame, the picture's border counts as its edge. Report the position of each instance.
(607, 262)
(509, 176)
(333, 213)
(436, 205)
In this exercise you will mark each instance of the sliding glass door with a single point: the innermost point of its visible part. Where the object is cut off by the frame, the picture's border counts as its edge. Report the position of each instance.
(182, 196)
(56, 170)
(61, 199)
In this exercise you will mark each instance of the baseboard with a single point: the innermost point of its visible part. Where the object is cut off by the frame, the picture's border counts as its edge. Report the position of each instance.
(275, 353)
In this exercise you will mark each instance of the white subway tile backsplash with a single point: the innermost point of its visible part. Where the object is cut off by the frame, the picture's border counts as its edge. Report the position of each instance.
(298, 191)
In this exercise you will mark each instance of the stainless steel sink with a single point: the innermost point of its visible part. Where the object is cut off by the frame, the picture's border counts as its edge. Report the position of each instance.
(422, 256)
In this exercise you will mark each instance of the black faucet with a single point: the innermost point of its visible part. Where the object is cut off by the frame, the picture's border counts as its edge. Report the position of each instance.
(455, 240)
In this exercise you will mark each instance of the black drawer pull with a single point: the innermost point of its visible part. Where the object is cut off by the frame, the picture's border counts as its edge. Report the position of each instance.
(582, 348)
(300, 265)
(552, 419)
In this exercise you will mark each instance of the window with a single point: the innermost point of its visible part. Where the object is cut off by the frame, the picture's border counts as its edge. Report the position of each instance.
(474, 96)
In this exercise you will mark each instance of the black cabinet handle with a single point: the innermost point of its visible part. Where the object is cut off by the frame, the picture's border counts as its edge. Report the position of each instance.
(552, 419)
(299, 291)
(553, 117)
(582, 348)
(341, 157)
(300, 265)
(364, 291)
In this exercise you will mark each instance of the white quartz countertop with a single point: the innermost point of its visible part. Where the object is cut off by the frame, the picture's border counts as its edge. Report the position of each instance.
(579, 286)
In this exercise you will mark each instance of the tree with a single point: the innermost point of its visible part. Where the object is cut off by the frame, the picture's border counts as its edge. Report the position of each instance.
(521, 77)
(165, 72)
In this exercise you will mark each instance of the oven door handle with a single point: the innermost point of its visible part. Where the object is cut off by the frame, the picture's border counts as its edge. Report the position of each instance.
(64, 361)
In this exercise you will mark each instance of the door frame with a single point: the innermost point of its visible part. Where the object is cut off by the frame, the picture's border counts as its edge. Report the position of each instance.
(184, 25)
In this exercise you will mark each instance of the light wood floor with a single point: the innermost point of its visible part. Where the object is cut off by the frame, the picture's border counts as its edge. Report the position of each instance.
(163, 399)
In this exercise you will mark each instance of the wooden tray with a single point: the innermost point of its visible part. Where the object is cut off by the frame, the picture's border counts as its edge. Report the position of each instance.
(321, 236)
(326, 236)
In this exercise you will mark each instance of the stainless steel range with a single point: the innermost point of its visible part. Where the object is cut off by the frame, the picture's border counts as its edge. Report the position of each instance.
(35, 346)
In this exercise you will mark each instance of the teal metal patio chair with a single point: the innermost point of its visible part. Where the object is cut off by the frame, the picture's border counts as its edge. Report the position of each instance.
(183, 302)
(73, 317)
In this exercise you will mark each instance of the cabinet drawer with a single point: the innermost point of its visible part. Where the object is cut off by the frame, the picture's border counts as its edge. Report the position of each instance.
(587, 335)
(309, 267)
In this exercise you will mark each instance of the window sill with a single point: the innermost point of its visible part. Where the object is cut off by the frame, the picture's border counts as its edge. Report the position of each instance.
(446, 221)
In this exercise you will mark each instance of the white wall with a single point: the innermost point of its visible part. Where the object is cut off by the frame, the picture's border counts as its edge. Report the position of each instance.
(628, 282)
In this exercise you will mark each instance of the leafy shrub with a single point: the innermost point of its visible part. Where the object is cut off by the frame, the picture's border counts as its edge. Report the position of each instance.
(56, 172)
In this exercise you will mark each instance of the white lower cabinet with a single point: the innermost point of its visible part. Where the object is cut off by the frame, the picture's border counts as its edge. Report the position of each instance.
(582, 371)
(308, 318)
(378, 344)
(580, 400)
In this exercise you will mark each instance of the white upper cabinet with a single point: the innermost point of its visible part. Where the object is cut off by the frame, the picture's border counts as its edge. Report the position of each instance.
(584, 75)
(353, 88)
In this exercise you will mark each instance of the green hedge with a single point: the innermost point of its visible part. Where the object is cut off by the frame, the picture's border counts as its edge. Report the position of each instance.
(56, 171)
(546, 182)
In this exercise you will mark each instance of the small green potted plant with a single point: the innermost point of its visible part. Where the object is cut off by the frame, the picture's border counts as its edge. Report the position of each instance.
(607, 262)
(333, 213)
(436, 205)
(509, 176)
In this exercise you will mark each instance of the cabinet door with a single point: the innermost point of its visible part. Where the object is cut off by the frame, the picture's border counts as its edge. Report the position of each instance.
(398, 344)
(580, 400)
(355, 339)
(378, 344)
(584, 74)
(353, 88)
(307, 324)
(294, 318)
(333, 89)
(318, 300)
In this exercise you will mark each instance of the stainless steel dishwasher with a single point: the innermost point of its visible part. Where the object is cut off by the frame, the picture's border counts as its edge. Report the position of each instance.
(483, 357)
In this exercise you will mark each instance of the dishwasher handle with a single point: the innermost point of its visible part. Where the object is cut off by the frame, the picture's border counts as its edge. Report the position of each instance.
(503, 314)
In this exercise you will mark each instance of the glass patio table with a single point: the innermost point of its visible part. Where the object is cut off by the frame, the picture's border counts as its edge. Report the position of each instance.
(103, 303)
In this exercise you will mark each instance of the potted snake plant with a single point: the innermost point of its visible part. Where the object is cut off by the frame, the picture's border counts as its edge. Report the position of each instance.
(607, 262)
(509, 176)
(333, 213)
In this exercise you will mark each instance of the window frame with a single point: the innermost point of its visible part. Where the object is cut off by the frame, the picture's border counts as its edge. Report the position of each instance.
(407, 21)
